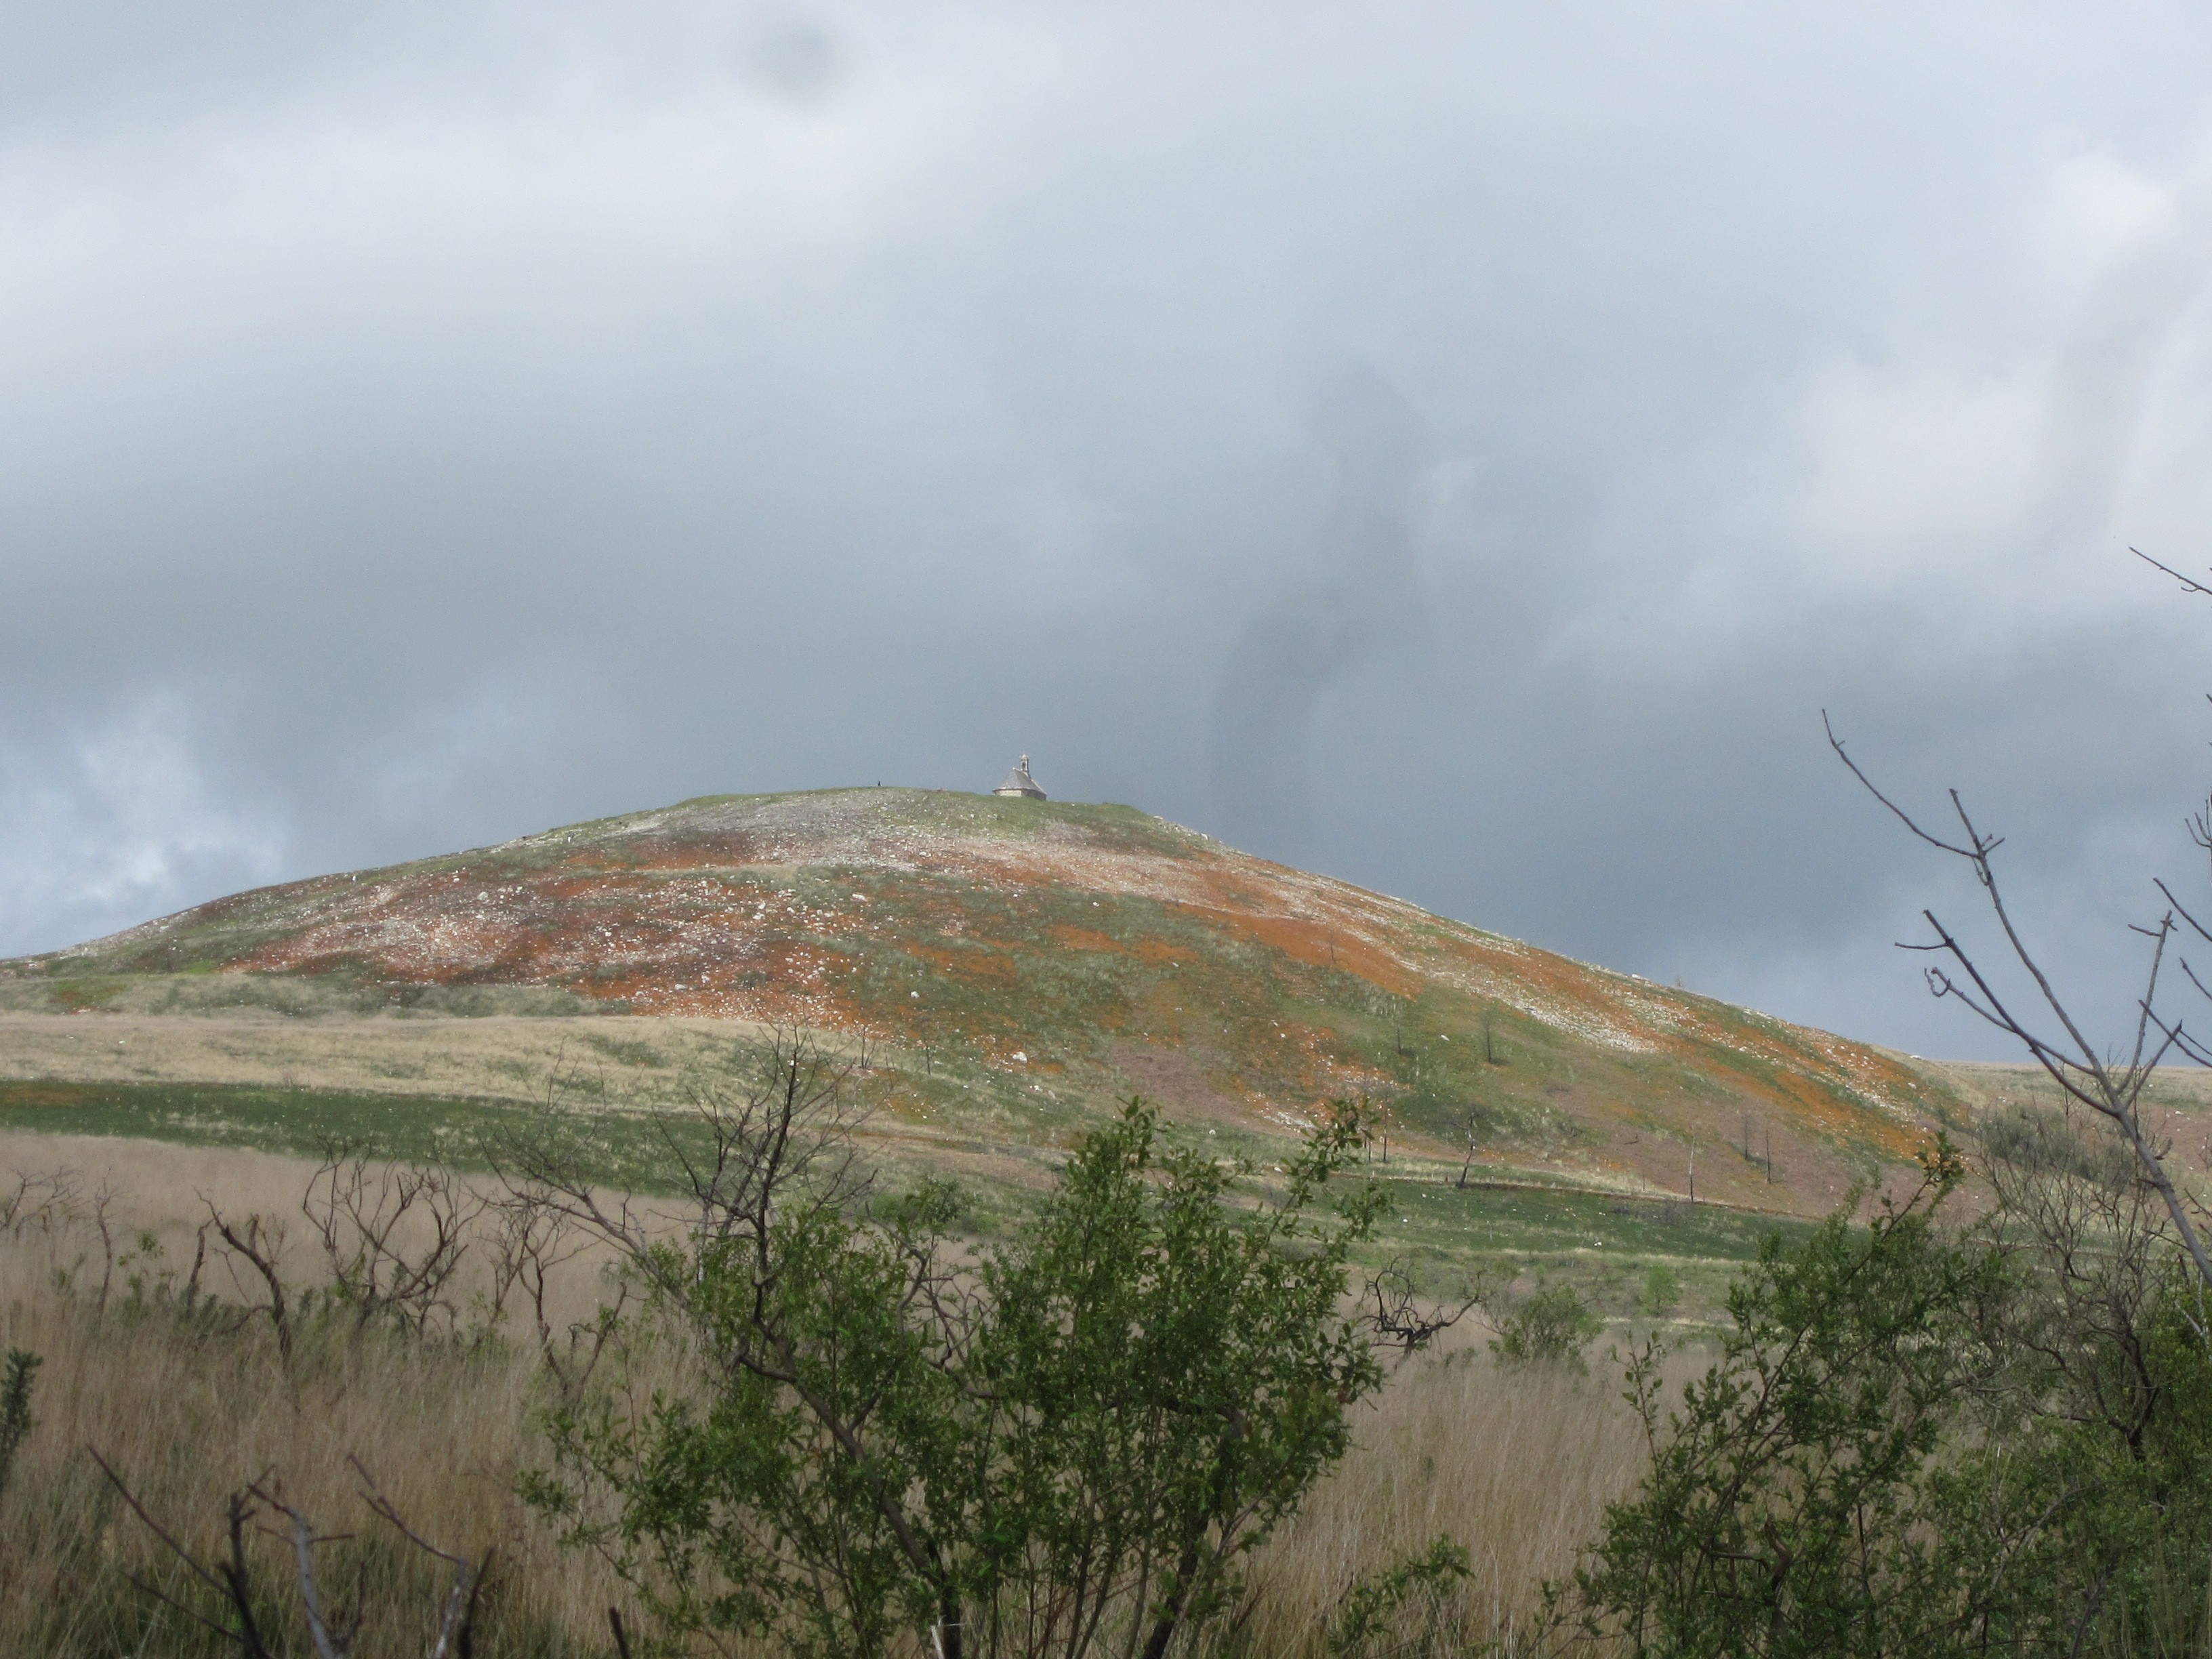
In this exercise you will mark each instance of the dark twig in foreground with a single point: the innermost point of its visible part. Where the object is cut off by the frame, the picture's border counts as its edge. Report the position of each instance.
(333, 1633)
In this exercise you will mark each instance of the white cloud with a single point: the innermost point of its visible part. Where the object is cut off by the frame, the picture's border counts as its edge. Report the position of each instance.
(111, 823)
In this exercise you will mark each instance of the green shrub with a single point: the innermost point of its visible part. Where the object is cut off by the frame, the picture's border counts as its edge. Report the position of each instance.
(1921, 1446)
(1371, 1608)
(1553, 1326)
(1662, 1290)
(1004, 1449)
(1788, 1510)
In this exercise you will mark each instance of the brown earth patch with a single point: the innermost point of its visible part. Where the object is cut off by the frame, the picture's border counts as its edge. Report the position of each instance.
(1084, 939)
(1155, 949)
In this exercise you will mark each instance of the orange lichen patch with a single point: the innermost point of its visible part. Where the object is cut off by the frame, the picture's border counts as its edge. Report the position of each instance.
(973, 964)
(1820, 1109)
(1083, 938)
(1321, 946)
(1679, 1025)
(734, 855)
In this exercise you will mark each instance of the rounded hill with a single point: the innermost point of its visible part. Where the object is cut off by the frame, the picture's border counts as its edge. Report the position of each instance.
(1064, 954)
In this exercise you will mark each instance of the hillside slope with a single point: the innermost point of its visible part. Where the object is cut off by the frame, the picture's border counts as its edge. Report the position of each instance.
(1028, 961)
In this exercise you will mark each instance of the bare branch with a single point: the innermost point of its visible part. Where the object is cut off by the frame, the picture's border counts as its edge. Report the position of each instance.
(232, 1583)
(2111, 1089)
(261, 1245)
(2188, 584)
(362, 1212)
(460, 1605)
(333, 1634)
(1903, 817)
(330, 1641)
(1399, 1321)
(47, 1202)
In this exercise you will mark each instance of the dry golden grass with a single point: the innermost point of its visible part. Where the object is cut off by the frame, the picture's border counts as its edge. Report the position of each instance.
(1514, 1466)
(496, 1057)
(185, 1423)
(1517, 1468)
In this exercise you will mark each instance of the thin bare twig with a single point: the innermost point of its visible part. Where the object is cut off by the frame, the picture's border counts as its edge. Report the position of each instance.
(2113, 1089)
(2189, 584)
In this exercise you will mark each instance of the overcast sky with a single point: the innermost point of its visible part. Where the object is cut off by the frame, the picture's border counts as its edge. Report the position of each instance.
(1458, 447)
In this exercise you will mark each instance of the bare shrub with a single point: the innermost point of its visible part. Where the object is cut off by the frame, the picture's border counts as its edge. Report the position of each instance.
(259, 1243)
(392, 1236)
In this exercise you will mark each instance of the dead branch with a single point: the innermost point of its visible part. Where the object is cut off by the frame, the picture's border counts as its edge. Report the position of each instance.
(334, 1634)
(260, 1245)
(230, 1581)
(2189, 584)
(364, 1212)
(333, 1638)
(47, 1202)
(103, 1200)
(1399, 1320)
(535, 1236)
(2113, 1089)
(1472, 1128)
(774, 1130)
(459, 1617)
(191, 1294)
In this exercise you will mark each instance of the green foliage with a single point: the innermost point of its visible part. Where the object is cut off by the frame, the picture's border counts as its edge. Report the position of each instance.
(1553, 1326)
(1174, 1375)
(15, 1422)
(1085, 1427)
(1662, 1290)
(1792, 1508)
(2101, 1466)
(1372, 1607)
(1916, 1444)
(823, 1465)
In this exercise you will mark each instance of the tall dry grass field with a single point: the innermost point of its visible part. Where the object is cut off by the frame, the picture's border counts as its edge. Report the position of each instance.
(187, 1412)
(1516, 1467)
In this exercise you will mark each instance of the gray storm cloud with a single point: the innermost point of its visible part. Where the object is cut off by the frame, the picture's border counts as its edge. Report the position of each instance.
(1357, 606)
(419, 426)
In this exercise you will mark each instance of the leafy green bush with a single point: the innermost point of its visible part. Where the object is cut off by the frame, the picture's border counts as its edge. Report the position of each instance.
(1371, 1608)
(1790, 1509)
(1008, 1449)
(1929, 1445)
(1171, 1376)
(1553, 1326)
(1662, 1290)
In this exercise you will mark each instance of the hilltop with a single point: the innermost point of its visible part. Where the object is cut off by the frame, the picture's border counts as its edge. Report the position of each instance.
(1015, 965)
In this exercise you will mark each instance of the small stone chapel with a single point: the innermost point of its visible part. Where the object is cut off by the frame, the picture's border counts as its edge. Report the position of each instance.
(1019, 782)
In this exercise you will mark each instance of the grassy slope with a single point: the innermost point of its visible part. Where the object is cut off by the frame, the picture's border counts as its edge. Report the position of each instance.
(1442, 1233)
